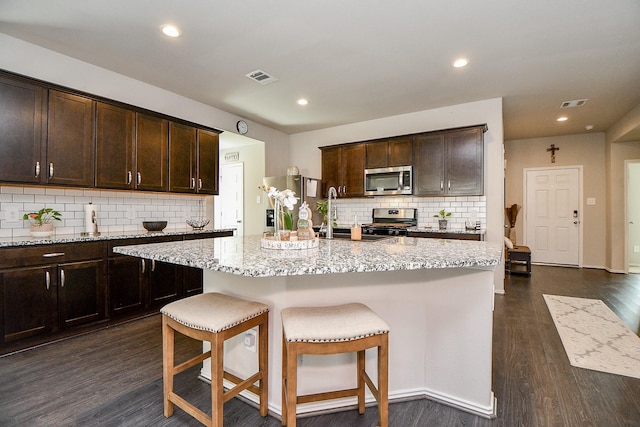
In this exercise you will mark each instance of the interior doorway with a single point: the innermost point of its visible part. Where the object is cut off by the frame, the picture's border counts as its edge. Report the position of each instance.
(552, 214)
(632, 229)
(229, 203)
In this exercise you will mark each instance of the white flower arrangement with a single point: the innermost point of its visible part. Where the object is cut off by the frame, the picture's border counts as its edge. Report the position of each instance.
(286, 200)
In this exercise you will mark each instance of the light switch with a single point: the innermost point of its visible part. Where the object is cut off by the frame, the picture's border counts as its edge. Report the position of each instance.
(591, 201)
(258, 201)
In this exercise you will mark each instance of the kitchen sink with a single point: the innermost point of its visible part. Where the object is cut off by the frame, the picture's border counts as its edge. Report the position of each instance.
(365, 237)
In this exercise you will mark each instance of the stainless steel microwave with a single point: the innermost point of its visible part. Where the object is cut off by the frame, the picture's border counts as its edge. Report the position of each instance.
(388, 181)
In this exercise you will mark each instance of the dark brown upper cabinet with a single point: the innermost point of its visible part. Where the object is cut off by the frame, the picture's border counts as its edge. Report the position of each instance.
(343, 168)
(182, 157)
(390, 153)
(114, 147)
(22, 131)
(131, 150)
(70, 140)
(193, 160)
(208, 158)
(450, 163)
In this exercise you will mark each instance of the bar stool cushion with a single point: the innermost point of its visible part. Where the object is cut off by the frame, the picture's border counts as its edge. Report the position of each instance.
(212, 311)
(331, 324)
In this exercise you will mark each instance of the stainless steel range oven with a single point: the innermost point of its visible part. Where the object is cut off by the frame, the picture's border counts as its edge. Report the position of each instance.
(391, 221)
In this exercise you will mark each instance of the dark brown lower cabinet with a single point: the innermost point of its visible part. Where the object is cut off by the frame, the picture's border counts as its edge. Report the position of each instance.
(28, 302)
(50, 291)
(126, 285)
(49, 298)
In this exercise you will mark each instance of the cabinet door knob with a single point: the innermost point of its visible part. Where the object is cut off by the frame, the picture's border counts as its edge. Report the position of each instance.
(37, 169)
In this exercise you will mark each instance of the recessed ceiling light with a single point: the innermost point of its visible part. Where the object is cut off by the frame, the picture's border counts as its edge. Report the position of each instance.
(171, 30)
(302, 101)
(459, 63)
(562, 119)
(589, 127)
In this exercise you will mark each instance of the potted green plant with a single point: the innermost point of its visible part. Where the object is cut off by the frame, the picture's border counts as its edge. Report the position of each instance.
(442, 219)
(322, 206)
(42, 221)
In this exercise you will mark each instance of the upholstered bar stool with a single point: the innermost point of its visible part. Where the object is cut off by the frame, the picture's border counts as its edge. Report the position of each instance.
(215, 318)
(331, 330)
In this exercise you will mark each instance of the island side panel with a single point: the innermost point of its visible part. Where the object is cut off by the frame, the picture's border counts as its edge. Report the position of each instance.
(441, 330)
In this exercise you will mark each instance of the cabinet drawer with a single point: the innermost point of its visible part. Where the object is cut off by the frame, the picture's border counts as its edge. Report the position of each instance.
(50, 254)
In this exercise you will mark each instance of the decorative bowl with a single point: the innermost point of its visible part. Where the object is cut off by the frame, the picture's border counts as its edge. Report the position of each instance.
(198, 224)
(154, 225)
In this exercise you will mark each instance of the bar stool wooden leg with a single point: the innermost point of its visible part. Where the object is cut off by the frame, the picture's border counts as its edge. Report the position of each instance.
(383, 382)
(361, 373)
(292, 384)
(167, 365)
(217, 374)
(284, 381)
(263, 366)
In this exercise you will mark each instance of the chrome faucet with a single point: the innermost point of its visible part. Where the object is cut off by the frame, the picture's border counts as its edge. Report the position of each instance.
(331, 192)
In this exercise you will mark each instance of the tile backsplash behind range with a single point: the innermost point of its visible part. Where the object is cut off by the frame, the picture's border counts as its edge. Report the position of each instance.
(118, 211)
(462, 208)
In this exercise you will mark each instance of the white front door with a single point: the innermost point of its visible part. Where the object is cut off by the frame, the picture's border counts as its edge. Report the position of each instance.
(552, 215)
(229, 206)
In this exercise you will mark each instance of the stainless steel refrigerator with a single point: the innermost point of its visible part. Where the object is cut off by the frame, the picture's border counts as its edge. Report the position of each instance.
(306, 190)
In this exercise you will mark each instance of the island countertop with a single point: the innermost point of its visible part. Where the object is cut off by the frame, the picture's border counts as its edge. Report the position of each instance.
(244, 256)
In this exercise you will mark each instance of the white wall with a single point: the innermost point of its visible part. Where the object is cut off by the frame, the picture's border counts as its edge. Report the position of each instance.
(304, 151)
(253, 158)
(587, 150)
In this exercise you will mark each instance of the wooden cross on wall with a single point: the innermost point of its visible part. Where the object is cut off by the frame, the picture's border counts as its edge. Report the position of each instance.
(553, 150)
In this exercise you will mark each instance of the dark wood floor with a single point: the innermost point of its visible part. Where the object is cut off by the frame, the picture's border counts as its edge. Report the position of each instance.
(114, 377)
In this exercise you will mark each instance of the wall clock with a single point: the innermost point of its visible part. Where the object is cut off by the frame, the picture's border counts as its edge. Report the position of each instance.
(242, 127)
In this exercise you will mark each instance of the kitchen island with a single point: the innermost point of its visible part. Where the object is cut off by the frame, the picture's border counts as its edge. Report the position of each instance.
(436, 295)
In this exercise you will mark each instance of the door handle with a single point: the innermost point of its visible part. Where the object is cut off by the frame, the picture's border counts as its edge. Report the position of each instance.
(576, 222)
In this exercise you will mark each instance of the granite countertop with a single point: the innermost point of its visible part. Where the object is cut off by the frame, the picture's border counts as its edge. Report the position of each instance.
(448, 230)
(244, 256)
(73, 238)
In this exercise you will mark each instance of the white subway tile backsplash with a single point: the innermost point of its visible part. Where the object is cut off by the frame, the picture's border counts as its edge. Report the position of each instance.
(462, 208)
(118, 211)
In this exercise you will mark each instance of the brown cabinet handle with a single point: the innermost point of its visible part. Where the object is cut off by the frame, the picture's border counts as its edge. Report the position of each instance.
(47, 279)
(129, 177)
(61, 278)
(138, 178)
(53, 254)
(199, 184)
(37, 169)
(193, 184)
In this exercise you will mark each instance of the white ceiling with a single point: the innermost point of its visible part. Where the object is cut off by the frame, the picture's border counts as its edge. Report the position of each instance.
(360, 59)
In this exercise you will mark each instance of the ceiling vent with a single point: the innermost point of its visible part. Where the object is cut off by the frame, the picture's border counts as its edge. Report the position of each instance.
(574, 103)
(261, 77)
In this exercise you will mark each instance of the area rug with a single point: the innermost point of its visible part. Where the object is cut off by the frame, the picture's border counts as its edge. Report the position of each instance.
(594, 337)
